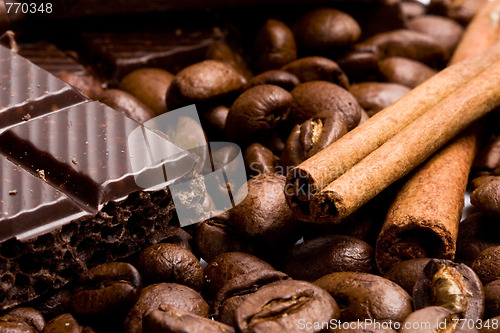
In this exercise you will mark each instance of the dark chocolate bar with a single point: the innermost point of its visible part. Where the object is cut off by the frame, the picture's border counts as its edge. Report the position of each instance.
(27, 91)
(117, 54)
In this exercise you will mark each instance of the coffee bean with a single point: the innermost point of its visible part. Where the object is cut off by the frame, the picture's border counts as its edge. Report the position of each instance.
(375, 96)
(488, 157)
(475, 234)
(149, 85)
(324, 29)
(366, 296)
(360, 66)
(170, 319)
(228, 266)
(54, 304)
(406, 273)
(65, 323)
(214, 237)
(275, 46)
(487, 197)
(311, 98)
(311, 137)
(317, 69)
(221, 51)
(404, 43)
(265, 216)
(429, 320)
(328, 254)
(126, 103)
(492, 299)
(281, 306)
(170, 263)
(482, 180)
(461, 11)
(256, 112)
(153, 296)
(22, 319)
(214, 120)
(446, 31)
(181, 238)
(486, 264)
(412, 9)
(203, 82)
(108, 288)
(450, 285)
(281, 78)
(404, 71)
(259, 159)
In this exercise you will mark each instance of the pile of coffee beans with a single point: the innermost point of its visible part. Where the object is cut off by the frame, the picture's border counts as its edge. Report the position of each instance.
(289, 87)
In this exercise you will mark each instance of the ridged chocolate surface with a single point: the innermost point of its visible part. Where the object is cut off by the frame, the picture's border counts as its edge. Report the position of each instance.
(82, 150)
(27, 91)
(120, 53)
(29, 205)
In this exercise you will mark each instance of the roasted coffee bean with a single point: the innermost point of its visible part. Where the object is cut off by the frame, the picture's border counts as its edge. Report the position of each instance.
(149, 85)
(277, 77)
(257, 111)
(311, 137)
(23, 319)
(360, 66)
(482, 180)
(227, 266)
(214, 122)
(214, 237)
(492, 299)
(170, 263)
(259, 159)
(311, 98)
(446, 31)
(54, 304)
(181, 238)
(283, 305)
(325, 29)
(328, 254)
(170, 319)
(488, 157)
(221, 51)
(406, 273)
(203, 82)
(366, 296)
(475, 234)
(317, 69)
(486, 265)
(461, 11)
(86, 84)
(404, 71)
(240, 287)
(450, 285)
(65, 323)
(153, 296)
(411, 9)
(265, 216)
(124, 102)
(487, 197)
(404, 43)
(108, 288)
(375, 96)
(275, 46)
(429, 320)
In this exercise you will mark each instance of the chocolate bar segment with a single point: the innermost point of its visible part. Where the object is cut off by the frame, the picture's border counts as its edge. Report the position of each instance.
(29, 205)
(86, 153)
(27, 91)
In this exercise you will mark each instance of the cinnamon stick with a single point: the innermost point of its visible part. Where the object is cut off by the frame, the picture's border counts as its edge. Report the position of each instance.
(427, 210)
(410, 147)
(314, 174)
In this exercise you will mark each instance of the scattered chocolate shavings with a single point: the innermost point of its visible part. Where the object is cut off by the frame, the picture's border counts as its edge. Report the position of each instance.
(26, 117)
(41, 173)
(74, 161)
(13, 192)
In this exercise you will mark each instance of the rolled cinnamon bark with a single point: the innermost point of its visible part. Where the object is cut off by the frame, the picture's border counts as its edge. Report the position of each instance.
(410, 147)
(314, 174)
(424, 217)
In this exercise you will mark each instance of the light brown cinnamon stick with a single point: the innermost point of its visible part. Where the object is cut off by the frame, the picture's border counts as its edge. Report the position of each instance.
(314, 174)
(424, 217)
(410, 147)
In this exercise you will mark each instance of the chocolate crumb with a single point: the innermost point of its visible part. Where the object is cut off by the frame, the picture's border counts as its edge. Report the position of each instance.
(13, 192)
(41, 174)
(26, 117)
